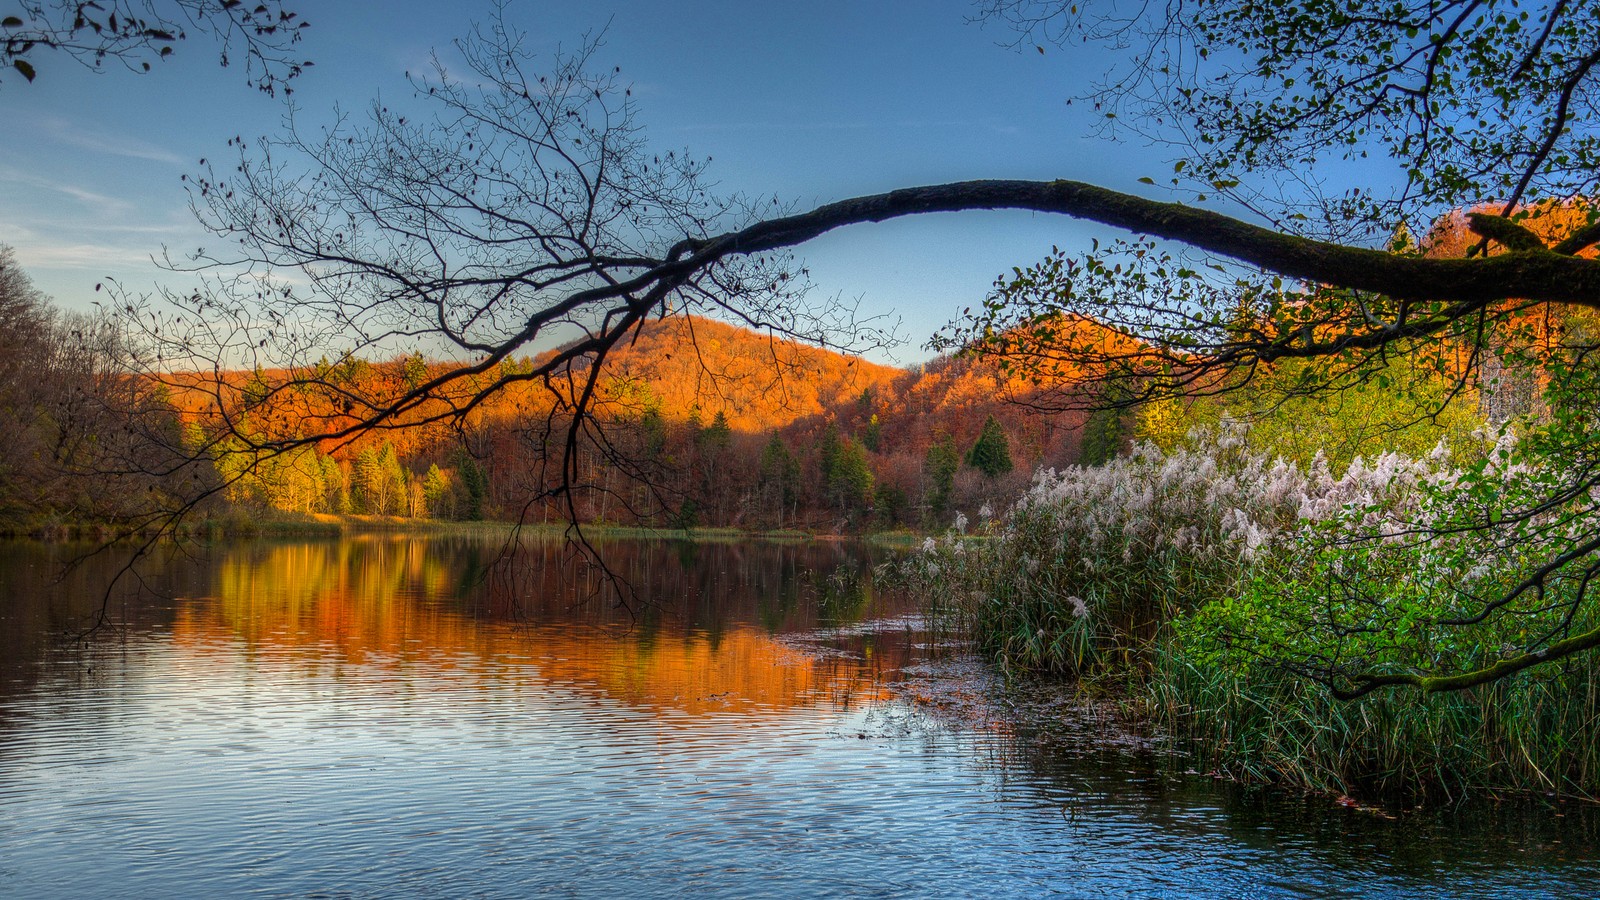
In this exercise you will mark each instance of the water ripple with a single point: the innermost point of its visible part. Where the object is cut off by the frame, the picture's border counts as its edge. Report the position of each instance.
(303, 744)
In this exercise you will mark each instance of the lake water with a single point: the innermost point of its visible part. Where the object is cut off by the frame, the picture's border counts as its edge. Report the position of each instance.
(392, 716)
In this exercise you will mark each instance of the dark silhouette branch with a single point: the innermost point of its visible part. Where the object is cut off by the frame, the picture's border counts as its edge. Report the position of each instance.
(135, 33)
(1522, 274)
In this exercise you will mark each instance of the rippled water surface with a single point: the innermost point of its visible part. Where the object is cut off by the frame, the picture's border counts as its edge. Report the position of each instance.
(395, 716)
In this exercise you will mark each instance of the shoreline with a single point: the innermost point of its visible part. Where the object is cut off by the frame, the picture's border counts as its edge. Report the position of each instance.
(330, 526)
(324, 525)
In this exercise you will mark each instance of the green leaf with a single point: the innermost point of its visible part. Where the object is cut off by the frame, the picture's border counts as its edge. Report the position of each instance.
(11, 22)
(24, 67)
(1147, 180)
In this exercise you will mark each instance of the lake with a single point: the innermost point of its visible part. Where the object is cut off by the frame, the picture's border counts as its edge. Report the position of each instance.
(398, 715)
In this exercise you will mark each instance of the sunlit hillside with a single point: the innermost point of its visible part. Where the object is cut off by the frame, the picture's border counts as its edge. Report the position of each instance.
(688, 364)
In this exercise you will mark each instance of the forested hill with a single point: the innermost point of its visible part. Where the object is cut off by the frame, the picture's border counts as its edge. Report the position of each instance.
(684, 365)
(690, 367)
(704, 423)
(843, 438)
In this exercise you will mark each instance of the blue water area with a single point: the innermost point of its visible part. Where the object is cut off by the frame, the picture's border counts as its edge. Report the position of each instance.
(402, 716)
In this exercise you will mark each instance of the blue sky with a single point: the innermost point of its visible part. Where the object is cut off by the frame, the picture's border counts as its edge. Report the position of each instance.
(806, 102)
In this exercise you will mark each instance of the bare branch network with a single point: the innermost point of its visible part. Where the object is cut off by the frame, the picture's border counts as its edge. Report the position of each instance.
(135, 33)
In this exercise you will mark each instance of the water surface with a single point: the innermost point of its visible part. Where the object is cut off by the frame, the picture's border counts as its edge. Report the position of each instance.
(388, 716)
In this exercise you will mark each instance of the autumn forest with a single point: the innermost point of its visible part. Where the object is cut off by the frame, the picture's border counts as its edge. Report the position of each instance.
(707, 424)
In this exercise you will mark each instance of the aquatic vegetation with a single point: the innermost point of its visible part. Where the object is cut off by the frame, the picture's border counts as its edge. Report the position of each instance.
(1263, 608)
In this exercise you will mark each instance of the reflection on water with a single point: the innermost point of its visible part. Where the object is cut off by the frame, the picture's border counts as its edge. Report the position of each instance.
(391, 715)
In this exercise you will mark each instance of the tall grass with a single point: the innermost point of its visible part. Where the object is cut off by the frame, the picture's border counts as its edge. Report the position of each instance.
(1531, 732)
(1212, 580)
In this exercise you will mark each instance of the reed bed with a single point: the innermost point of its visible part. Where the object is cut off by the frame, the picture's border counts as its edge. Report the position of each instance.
(1230, 592)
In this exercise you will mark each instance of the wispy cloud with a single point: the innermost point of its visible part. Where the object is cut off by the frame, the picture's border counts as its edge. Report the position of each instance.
(75, 135)
(49, 250)
(875, 124)
(13, 175)
(97, 257)
(173, 230)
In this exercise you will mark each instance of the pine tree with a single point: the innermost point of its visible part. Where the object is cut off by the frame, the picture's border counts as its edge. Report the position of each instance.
(872, 435)
(939, 471)
(780, 476)
(366, 483)
(335, 488)
(474, 484)
(654, 432)
(849, 483)
(828, 452)
(991, 455)
(717, 436)
(1103, 436)
(394, 477)
(437, 494)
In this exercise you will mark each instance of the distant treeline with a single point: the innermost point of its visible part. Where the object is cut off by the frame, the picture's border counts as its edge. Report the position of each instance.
(698, 424)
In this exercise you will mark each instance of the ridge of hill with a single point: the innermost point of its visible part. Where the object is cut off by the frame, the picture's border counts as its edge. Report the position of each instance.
(687, 365)
(684, 365)
(704, 422)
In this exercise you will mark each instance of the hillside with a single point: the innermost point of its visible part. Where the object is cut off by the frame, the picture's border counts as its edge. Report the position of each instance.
(704, 423)
(686, 364)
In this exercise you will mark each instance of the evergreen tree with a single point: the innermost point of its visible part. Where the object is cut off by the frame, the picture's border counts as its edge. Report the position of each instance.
(366, 483)
(780, 477)
(1108, 427)
(653, 430)
(437, 494)
(394, 478)
(686, 517)
(474, 484)
(828, 453)
(849, 482)
(872, 435)
(1103, 436)
(888, 504)
(335, 488)
(716, 437)
(991, 455)
(939, 473)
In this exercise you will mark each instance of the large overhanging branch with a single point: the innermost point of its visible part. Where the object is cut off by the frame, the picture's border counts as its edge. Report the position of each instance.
(1464, 285)
(1535, 274)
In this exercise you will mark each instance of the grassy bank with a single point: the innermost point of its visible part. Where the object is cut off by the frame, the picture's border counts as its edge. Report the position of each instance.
(1231, 595)
(241, 523)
